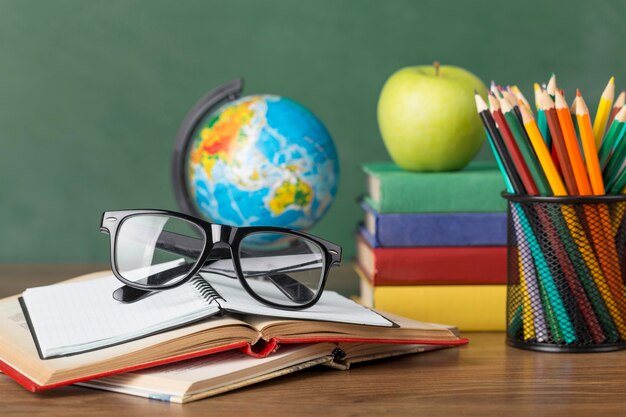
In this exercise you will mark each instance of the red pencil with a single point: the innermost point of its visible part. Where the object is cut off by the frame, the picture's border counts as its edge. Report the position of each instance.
(509, 141)
(558, 143)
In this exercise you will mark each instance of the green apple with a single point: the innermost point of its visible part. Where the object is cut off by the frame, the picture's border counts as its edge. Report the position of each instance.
(427, 117)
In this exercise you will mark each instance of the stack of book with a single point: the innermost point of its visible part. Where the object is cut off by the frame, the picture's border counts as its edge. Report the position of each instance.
(203, 338)
(433, 245)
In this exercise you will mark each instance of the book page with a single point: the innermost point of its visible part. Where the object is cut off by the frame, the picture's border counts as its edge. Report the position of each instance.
(76, 317)
(331, 306)
(202, 377)
(17, 348)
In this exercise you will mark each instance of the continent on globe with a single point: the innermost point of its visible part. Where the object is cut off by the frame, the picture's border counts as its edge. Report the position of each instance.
(262, 160)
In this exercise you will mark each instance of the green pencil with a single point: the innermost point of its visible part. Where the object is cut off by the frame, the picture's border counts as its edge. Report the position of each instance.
(613, 137)
(524, 146)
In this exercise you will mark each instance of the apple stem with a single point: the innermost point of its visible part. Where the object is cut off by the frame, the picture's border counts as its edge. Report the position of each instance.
(436, 65)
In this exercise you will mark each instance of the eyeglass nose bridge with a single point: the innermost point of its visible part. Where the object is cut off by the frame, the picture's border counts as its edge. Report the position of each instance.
(220, 234)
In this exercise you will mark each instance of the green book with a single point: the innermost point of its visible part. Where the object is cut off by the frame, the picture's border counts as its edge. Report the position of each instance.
(476, 188)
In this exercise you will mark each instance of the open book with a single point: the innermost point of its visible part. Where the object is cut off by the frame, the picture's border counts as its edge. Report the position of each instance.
(78, 317)
(254, 334)
(208, 376)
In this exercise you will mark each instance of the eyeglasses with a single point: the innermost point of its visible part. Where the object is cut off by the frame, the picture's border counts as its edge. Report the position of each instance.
(153, 250)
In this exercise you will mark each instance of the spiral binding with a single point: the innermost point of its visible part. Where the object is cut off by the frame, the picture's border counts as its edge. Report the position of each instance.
(205, 289)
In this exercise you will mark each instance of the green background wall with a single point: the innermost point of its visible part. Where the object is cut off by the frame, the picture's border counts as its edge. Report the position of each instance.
(92, 92)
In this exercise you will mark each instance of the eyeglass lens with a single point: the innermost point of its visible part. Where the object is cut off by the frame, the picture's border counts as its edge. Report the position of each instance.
(282, 268)
(157, 250)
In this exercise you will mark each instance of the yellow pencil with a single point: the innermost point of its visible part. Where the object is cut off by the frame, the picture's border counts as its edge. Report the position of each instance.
(520, 97)
(604, 109)
(527, 308)
(539, 145)
(538, 96)
(589, 146)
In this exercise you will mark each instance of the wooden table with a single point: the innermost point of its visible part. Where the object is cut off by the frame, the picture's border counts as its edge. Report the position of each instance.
(485, 378)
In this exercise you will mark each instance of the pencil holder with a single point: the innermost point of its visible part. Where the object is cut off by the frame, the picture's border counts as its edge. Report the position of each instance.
(566, 268)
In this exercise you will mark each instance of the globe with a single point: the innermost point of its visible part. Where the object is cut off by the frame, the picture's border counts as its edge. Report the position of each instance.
(262, 160)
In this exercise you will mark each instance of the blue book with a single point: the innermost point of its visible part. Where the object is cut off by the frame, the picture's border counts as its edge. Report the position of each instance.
(433, 229)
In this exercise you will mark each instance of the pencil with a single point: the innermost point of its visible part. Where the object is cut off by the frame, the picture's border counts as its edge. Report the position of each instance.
(559, 144)
(511, 177)
(589, 146)
(571, 143)
(552, 175)
(512, 148)
(617, 106)
(521, 100)
(615, 159)
(604, 109)
(538, 95)
(551, 88)
(613, 137)
(522, 140)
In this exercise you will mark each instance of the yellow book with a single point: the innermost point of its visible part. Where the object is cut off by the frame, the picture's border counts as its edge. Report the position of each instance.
(468, 307)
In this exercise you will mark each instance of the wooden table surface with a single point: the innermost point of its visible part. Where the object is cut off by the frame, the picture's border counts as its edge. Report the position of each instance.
(486, 378)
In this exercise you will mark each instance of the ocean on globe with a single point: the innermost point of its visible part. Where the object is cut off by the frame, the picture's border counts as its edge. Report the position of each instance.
(262, 160)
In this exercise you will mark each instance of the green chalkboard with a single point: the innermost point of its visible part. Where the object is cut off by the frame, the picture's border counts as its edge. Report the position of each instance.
(92, 92)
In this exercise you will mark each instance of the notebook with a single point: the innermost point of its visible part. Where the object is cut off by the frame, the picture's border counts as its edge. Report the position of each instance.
(78, 317)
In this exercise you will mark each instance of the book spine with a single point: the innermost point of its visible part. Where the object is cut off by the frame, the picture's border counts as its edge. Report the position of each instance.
(434, 229)
(431, 265)
(469, 307)
(465, 191)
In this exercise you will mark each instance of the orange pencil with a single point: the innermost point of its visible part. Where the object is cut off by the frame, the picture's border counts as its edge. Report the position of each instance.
(589, 145)
(571, 142)
(543, 154)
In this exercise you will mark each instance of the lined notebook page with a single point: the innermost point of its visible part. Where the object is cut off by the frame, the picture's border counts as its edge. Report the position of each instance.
(74, 317)
(330, 307)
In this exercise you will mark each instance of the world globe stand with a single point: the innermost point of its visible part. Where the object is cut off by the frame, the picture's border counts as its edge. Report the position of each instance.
(213, 99)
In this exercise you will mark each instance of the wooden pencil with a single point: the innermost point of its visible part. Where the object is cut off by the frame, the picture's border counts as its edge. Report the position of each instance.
(521, 100)
(541, 150)
(551, 87)
(617, 106)
(615, 159)
(571, 143)
(613, 136)
(523, 143)
(604, 109)
(589, 146)
(538, 95)
(558, 143)
(516, 157)
(497, 143)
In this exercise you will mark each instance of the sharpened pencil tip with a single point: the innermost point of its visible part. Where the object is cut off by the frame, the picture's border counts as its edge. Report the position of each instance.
(577, 92)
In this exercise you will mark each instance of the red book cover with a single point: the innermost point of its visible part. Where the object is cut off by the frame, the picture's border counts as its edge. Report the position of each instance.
(466, 265)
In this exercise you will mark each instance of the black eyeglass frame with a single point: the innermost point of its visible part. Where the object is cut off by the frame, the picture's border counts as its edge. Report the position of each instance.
(213, 234)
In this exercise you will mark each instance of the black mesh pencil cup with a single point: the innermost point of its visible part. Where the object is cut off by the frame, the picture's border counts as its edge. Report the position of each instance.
(566, 273)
